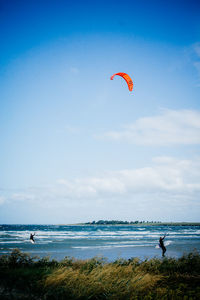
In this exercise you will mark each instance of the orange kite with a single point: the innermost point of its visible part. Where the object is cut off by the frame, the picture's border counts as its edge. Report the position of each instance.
(126, 77)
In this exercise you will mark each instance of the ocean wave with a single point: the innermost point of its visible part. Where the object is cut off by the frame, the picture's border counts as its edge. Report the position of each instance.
(111, 246)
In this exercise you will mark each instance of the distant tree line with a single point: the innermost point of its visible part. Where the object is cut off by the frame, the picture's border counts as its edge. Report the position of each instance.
(116, 222)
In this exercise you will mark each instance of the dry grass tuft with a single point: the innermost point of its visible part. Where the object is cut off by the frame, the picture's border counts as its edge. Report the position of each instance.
(113, 281)
(95, 279)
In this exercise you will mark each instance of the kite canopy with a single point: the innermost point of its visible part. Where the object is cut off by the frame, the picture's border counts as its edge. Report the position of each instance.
(126, 77)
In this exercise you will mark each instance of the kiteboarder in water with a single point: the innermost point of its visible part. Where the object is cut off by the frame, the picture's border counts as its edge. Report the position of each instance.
(32, 237)
(161, 244)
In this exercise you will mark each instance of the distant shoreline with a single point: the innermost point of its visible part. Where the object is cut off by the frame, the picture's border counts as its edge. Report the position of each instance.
(145, 224)
(113, 224)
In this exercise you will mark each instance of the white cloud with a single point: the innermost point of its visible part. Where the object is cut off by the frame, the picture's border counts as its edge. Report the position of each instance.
(167, 184)
(166, 175)
(169, 128)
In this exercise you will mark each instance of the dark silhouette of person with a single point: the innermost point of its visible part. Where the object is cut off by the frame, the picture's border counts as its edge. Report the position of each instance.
(32, 237)
(162, 246)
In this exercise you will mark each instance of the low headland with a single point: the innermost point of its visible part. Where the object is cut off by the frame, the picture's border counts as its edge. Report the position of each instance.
(145, 223)
(25, 277)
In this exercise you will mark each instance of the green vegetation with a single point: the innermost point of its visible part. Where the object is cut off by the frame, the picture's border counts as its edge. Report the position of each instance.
(117, 222)
(26, 277)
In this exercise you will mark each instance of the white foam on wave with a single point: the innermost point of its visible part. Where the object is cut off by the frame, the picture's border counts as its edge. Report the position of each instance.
(129, 242)
(184, 236)
(116, 238)
(167, 243)
(12, 242)
(15, 233)
(111, 246)
(100, 233)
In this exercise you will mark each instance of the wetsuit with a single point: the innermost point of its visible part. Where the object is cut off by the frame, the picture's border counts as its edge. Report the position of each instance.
(161, 244)
(31, 237)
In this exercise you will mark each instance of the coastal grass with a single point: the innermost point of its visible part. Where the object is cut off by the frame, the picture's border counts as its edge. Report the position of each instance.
(26, 277)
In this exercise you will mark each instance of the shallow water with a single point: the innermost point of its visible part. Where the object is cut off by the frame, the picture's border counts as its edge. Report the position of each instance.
(112, 242)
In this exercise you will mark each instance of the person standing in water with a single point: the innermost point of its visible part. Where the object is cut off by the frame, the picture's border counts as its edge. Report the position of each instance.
(162, 246)
(32, 237)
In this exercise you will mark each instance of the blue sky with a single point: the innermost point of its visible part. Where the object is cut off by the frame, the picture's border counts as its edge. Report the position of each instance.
(76, 146)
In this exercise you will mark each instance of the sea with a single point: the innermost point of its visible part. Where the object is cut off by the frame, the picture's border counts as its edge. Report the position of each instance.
(107, 241)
